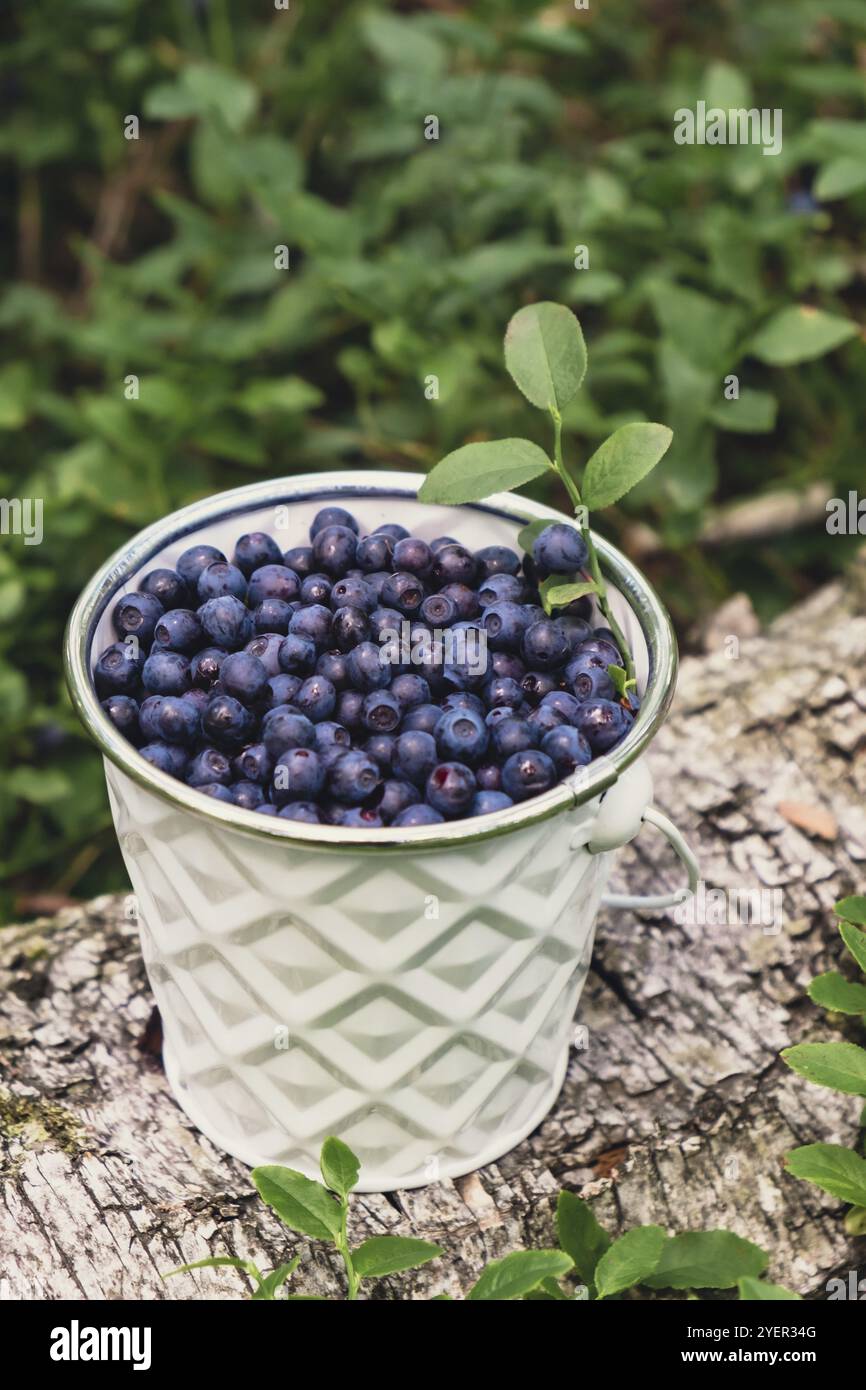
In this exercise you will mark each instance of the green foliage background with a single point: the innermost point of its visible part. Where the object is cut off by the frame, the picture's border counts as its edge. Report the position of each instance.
(304, 127)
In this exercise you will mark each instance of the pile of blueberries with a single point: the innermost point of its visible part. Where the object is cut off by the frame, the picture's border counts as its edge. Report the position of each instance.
(261, 680)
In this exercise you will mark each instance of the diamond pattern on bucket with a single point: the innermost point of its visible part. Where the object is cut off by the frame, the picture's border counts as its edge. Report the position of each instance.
(419, 1005)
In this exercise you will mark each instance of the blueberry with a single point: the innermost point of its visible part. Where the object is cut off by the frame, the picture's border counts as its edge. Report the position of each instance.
(453, 564)
(177, 721)
(254, 764)
(415, 756)
(462, 736)
(219, 579)
(227, 723)
(500, 712)
(604, 634)
(380, 747)
(352, 592)
(284, 728)
(527, 774)
(505, 623)
(217, 791)
(244, 676)
(166, 586)
(512, 736)
(349, 706)
(332, 665)
(317, 698)
(384, 620)
(273, 581)
(299, 559)
(122, 710)
(598, 652)
(254, 550)
(147, 714)
(537, 684)
(542, 720)
(374, 553)
(247, 795)
(439, 610)
(420, 814)
(313, 622)
(329, 734)
(210, 765)
(375, 581)
(268, 809)
(565, 704)
(396, 797)
(489, 777)
(136, 615)
(168, 757)
(465, 599)
(576, 629)
(266, 646)
(281, 690)
(334, 549)
(272, 615)
(424, 717)
(316, 588)
(367, 671)
(462, 699)
(502, 690)
(411, 690)
(589, 681)
(179, 630)
(545, 645)
(194, 560)
(567, 749)
(305, 811)
(332, 516)
(297, 655)
(362, 818)
(393, 530)
(500, 588)
(349, 626)
(603, 724)
(496, 559)
(119, 669)
(353, 778)
(381, 712)
(166, 673)
(485, 802)
(403, 591)
(413, 556)
(298, 776)
(506, 664)
(197, 698)
(560, 549)
(451, 787)
(226, 622)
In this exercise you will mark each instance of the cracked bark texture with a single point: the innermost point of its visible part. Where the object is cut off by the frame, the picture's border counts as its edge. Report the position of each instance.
(676, 1110)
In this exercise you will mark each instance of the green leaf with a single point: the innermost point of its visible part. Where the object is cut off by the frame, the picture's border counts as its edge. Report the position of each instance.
(41, 786)
(580, 1235)
(626, 457)
(203, 89)
(518, 1273)
(290, 394)
(833, 991)
(303, 1205)
(800, 333)
(852, 909)
(753, 412)
(619, 676)
(216, 1262)
(340, 1168)
(527, 537)
(855, 1221)
(855, 940)
(833, 1168)
(838, 178)
(557, 591)
(275, 1280)
(756, 1290)
(840, 1065)
(706, 1260)
(476, 470)
(630, 1260)
(545, 354)
(389, 1254)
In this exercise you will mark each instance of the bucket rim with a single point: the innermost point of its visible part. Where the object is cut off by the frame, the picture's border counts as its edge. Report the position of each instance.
(129, 559)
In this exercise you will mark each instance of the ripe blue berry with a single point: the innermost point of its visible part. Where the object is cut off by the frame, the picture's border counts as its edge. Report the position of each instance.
(179, 630)
(485, 802)
(194, 560)
(424, 717)
(367, 671)
(560, 549)
(396, 797)
(166, 586)
(210, 765)
(266, 646)
(603, 724)
(334, 550)
(316, 588)
(489, 777)
(413, 555)
(415, 756)
(317, 698)
(119, 669)
(136, 615)
(381, 711)
(254, 550)
(122, 710)
(380, 747)
(305, 811)
(348, 711)
(545, 645)
(510, 736)
(273, 615)
(298, 776)
(598, 652)
(254, 764)
(451, 788)
(502, 690)
(465, 599)
(374, 553)
(439, 610)
(177, 721)
(227, 723)
(165, 673)
(349, 626)
(330, 734)
(361, 818)
(284, 728)
(565, 704)
(567, 749)
(393, 530)
(313, 622)
(168, 757)
(527, 774)
(453, 564)
(218, 792)
(273, 581)
(403, 591)
(411, 690)
(219, 579)
(542, 719)
(244, 676)
(247, 795)
(226, 622)
(297, 655)
(332, 665)
(353, 778)
(500, 588)
(496, 559)
(505, 623)
(281, 690)
(300, 559)
(462, 736)
(422, 814)
(536, 685)
(332, 516)
(352, 592)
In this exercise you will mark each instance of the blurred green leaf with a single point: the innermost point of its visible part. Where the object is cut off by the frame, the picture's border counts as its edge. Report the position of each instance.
(800, 333)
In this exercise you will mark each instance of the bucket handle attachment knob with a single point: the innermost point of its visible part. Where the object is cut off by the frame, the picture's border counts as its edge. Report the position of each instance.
(624, 809)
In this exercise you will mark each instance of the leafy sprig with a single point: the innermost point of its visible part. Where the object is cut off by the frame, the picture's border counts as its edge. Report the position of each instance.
(546, 355)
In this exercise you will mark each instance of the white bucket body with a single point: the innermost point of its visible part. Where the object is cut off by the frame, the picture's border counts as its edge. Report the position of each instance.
(416, 1001)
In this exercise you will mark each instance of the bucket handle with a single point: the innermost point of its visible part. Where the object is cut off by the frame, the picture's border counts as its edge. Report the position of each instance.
(624, 809)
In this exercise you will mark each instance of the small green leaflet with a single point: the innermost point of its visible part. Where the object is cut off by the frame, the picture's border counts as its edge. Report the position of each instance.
(271, 1282)
(840, 1065)
(389, 1254)
(580, 1235)
(757, 1290)
(624, 458)
(340, 1168)
(630, 1260)
(217, 1262)
(621, 683)
(475, 471)
(852, 909)
(833, 991)
(303, 1205)
(529, 535)
(559, 590)
(706, 1260)
(833, 1168)
(545, 354)
(855, 940)
(800, 333)
(518, 1273)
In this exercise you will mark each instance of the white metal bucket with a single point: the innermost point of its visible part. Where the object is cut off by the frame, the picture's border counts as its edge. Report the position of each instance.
(409, 990)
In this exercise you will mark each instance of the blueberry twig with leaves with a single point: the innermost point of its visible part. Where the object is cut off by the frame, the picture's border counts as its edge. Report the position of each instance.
(546, 355)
